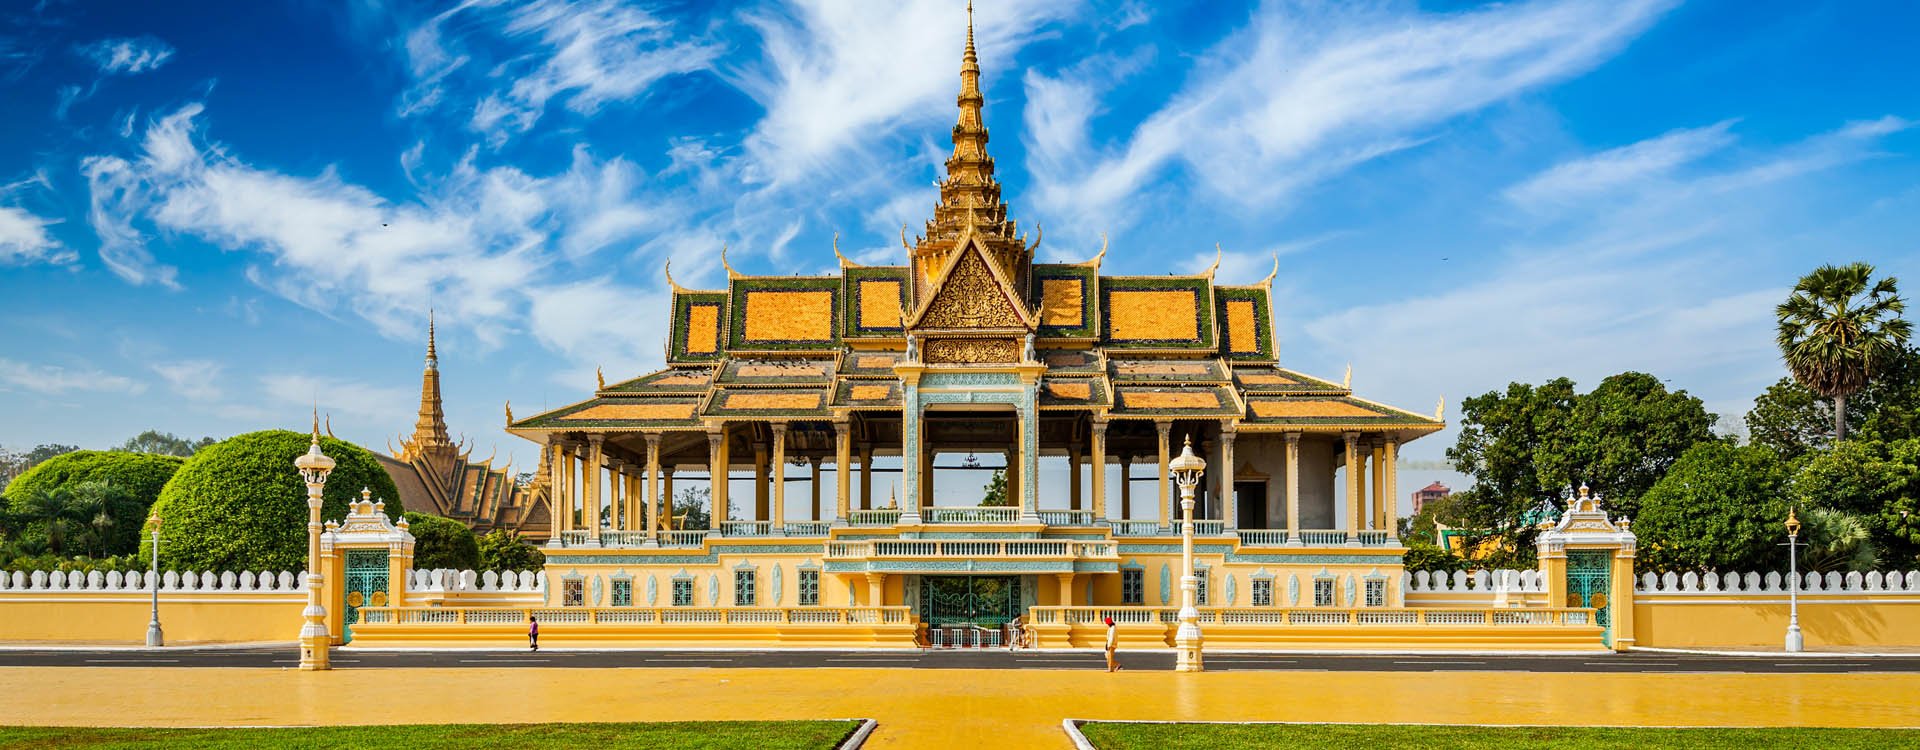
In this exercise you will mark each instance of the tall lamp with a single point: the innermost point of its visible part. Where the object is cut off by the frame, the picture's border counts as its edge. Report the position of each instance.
(154, 637)
(1187, 470)
(314, 467)
(1794, 642)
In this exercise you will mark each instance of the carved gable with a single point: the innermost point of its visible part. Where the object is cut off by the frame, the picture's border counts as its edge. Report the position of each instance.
(971, 296)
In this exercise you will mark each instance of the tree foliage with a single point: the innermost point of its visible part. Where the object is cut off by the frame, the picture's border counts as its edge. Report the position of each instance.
(503, 549)
(240, 505)
(1531, 443)
(994, 493)
(1876, 481)
(1720, 507)
(442, 543)
(128, 485)
(1838, 328)
(164, 443)
(1795, 422)
(690, 508)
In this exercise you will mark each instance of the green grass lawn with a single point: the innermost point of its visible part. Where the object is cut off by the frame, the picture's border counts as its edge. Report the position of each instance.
(704, 735)
(1117, 736)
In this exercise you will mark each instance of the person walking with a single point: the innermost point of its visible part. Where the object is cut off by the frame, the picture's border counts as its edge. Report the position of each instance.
(1113, 641)
(533, 633)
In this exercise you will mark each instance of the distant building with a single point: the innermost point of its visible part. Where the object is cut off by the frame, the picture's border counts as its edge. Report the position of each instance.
(1429, 493)
(437, 476)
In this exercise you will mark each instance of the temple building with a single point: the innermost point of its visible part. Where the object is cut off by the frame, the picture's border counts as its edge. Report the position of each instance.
(908, 374)
(435, 475)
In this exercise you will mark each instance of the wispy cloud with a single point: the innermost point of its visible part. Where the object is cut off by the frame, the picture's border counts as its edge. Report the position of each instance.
(583, 54)
(340, 395)
(1630, 165)
(1307, 91)
(194, 379)
(55, 380)
(127, 55)
(24, 240)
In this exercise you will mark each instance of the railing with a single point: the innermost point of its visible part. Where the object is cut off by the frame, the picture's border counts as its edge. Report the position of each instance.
(884, 517)
(807, 528)
(746, 528)
(1209, 527)
(1318, 616)
(1323, 538)
(1372, 538)
(972, 548)
(1067, 517)
(1135, 528)
(622, 538)
(971, 515)
(1263, 537)
(685, 538)
(636, 616)
(574, 538)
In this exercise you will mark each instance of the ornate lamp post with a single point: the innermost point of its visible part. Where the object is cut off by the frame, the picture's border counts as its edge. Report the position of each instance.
(1187, 470)
(154, 638)
(1794, 642)
(314, 640)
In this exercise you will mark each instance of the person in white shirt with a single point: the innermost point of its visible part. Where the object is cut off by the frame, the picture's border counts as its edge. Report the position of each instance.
(1113, 641)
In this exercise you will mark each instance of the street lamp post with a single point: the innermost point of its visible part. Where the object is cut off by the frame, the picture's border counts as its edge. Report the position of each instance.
(314, 640)
(154, 637)
(1187, 470)
(1794, 642)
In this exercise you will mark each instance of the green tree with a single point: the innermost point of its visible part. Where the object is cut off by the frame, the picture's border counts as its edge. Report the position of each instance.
(1796, 422)
(1628, 431)
(690, 508)
(1876, 481)
(138, 476)
(51, 510)
(1719, 508)
(995, 492)
(240, 505)
(12, 464)
(1836, 541)
(1837, 329)
(503, 549)
(442, 543)
(101, 511)
(164, 443)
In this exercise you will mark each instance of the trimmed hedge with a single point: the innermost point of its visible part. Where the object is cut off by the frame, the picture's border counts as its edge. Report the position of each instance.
(142, 475)
(442, 543)
(240, 505)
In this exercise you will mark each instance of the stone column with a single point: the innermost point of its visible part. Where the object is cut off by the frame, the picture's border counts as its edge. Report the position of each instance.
(555, 484)
(1293, 488)
(1099, 464)
(926, 477)
(762, 498)
(842, 474)
(1229, 506)
(1379, 485)
(1355, 468)
(666, 498)
(813, 483)
(596, 460)
(1066, 588)
(1126, 485)
(1392, 464)
(653, 489)
(1012, 459)
(866, 476)
(779, 517)
(876, 589)
(616, 492)
(1163, 429)
(1073, 477)
(720, 469)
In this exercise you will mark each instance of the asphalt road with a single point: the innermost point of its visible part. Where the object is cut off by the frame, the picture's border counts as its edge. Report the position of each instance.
(1640, 662)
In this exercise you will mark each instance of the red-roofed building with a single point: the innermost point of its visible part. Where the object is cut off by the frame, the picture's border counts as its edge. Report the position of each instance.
(1433, 491)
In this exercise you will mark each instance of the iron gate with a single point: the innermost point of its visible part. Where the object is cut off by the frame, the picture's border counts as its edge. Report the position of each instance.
(1589, 581)
(366, 586)
(969, 610)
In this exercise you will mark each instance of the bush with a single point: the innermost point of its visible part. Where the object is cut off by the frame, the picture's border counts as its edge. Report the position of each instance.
(1425, 556)
(240, 505)
(53, 563)
(1720, 508)
(139, 475)
(442, 543)
(503, 549)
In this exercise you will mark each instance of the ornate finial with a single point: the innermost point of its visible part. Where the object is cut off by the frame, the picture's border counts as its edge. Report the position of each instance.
(1103, 249)
(731, 274)
(366, 494)
(316, 424)
(844, 263)
(433, 357)
(903, 238)
(509, 413)
(1217, 255)
(1440, 411)
(970, 55)
(1583, 490)
(1039, 234)
(599, 379)
(1347, 382)
(670, 282)
(329, 427)
(1268, 281)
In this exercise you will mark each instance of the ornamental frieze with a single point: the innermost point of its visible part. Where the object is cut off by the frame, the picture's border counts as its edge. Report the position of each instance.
(972, 351)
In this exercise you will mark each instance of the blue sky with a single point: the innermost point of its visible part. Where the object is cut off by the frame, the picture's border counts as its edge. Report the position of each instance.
(212, 215)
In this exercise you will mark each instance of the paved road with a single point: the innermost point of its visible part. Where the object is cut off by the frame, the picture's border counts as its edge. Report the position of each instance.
(967, 659)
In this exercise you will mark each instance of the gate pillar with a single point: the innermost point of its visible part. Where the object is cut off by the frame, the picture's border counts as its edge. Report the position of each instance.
(366, 554)
(1586, 560)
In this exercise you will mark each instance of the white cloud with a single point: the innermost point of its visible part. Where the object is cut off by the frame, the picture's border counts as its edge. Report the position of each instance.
(24, 240)
(1621, 167)
(1308, 91)
(54, 380)
(192, 378)
(340, 396)
(598, 324)
(584, 54)
(127, 56)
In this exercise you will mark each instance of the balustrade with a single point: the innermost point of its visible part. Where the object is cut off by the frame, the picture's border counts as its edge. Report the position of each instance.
(885, 517)
(746, 528)
(677, 539)
(1067, 517)
(1135, 528)
(1323, 538)
(574, 538)
(971, 515)
(1263, 537)
(443, 616)
(1229, 616)
(807, 528)
(972, 548)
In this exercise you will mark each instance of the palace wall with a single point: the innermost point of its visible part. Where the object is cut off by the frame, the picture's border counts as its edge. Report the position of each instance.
(98, 608)
(1851, 611)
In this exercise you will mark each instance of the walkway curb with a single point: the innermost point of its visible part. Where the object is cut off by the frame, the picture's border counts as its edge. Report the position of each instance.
(859, 737)
(1072, 727)
(1780, 654)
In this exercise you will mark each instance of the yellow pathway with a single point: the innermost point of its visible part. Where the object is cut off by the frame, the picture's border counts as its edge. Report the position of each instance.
(944, 708)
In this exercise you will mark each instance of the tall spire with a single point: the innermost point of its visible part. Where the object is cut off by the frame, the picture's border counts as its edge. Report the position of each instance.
(430, 430)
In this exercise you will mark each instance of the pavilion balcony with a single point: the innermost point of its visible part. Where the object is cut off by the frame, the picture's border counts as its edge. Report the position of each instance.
(1313, 538)
(971, 549)
(971, 515)
(1201, 527)
(1067, 518)
(881, 517)
(684, 539)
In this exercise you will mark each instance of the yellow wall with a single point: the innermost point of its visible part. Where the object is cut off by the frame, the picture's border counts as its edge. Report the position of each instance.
(1760, 621)
(121, 618)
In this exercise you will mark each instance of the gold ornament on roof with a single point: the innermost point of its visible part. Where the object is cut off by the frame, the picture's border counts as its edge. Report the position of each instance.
(970, 298)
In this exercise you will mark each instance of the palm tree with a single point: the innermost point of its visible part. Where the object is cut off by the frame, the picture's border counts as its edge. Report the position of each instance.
(53, 507)
(1836, 332)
